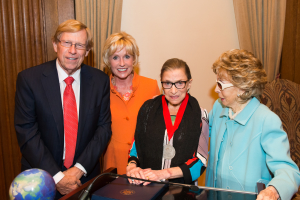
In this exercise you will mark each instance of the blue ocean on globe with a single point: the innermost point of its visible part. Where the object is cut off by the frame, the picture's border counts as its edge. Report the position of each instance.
(32, 184)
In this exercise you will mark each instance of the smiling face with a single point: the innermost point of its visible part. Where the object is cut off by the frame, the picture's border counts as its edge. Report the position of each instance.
(121, 64)
(229, 95)
(70, 58)
(173, 95)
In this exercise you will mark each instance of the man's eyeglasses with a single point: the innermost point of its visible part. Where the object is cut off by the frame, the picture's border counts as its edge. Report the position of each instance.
(178, 84)
(223, 86)
(68, 44)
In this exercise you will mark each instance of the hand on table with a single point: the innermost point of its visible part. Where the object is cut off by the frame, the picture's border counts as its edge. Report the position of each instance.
(270, 193)
(136, 172)
(155, 175)
(130, 167)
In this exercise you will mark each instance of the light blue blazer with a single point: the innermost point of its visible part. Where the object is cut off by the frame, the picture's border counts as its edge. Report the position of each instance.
(258, 150)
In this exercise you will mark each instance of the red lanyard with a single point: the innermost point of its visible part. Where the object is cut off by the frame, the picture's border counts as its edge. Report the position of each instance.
(167, 117)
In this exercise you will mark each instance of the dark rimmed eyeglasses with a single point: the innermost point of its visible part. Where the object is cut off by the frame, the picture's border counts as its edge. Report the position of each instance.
(68, 44)
(178, 84)
(223, 86)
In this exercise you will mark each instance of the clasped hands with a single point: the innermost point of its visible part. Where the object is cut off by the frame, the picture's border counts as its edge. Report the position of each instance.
(148, 174)
(70, 181)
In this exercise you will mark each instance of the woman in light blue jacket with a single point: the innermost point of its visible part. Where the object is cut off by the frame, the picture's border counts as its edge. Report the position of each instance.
(247, 142)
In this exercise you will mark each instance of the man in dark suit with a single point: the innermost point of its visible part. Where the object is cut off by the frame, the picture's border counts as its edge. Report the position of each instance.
(62, 111)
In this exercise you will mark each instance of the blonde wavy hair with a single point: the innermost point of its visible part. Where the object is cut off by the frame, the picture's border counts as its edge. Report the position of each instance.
(73, 26)
(117, 42)
(244, 71)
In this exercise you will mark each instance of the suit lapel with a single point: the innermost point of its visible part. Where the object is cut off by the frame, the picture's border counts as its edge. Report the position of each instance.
(86, 88)
(50, 84)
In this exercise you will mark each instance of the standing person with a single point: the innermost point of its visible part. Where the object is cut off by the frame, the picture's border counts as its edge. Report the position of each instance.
(128, 92)
(171, 136)
(247, 142)
(62, 116)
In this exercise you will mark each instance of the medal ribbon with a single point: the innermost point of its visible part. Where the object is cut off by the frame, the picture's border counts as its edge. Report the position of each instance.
(167, 117)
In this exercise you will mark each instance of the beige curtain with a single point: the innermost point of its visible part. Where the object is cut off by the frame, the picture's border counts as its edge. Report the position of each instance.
(103, 18)
(260, 26)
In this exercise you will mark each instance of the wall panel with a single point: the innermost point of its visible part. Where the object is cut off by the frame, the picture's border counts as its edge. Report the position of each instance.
(290, 60)
(26, 27)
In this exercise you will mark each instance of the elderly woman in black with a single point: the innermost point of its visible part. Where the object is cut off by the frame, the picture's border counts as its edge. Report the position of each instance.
(170, 141)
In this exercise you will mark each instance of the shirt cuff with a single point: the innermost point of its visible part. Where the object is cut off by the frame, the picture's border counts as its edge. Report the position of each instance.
(57, 177)
(79, 166)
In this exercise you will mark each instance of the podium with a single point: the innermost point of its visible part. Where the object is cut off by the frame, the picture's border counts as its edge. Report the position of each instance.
(172, 192)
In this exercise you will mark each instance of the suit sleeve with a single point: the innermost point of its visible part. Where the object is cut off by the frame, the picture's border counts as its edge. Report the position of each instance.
(31, 145)
(286, 173)
(92, 152)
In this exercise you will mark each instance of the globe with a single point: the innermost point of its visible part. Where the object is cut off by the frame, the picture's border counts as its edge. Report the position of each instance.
(33, 184)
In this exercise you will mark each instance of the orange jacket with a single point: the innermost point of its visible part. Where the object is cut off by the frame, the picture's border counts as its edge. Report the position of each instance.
(123, 117)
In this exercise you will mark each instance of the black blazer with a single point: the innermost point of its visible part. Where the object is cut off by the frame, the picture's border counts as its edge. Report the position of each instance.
(39, 119)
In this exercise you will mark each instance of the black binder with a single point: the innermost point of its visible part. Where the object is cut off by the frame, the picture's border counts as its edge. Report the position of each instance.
(121, 189)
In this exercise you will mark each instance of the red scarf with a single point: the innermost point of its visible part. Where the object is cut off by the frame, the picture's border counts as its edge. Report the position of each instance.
(167, 117)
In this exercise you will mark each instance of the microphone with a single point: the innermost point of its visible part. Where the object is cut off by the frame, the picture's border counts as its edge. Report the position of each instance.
(85, 193)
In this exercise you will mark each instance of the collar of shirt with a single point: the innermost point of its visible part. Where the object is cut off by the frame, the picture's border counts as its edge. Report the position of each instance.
(135, 83)
(243, 117)
(62, 75)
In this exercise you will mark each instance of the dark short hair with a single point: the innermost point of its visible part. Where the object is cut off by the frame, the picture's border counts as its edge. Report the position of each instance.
(175, 63)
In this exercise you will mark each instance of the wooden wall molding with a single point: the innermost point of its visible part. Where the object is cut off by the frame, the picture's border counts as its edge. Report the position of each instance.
(290, 57)
(26, 28)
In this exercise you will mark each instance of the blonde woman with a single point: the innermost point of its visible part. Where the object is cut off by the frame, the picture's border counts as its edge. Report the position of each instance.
(128, 92)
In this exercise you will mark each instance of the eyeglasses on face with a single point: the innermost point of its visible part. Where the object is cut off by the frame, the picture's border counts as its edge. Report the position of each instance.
(68, 44)
(223, 86)
(178, 84)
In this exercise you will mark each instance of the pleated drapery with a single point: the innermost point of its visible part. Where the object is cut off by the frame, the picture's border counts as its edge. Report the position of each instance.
(260, 25)
(103, 18)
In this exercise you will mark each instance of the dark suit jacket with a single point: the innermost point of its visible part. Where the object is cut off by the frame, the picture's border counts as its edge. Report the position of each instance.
(39, 119)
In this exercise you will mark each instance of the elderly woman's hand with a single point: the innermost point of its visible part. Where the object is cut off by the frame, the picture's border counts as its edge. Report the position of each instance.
(133, 171)
(270, 193)
(130, 167)
(155, 175)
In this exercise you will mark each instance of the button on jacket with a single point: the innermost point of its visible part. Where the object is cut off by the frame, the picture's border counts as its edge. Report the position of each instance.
(257, 150)
(124, 116)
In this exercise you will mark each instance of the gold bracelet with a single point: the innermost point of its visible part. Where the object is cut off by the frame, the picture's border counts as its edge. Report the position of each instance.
(132, 162)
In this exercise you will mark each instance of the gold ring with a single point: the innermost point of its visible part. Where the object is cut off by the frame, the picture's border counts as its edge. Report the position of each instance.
(147, 178)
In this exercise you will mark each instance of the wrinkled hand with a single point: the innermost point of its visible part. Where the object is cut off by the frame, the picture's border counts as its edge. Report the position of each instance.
(130, 167)
(136, 172)
(74, 171)
(270, 193)
(155, 175)
(67, 184)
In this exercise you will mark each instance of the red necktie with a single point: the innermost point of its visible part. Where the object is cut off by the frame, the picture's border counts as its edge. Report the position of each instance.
(70, 122)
